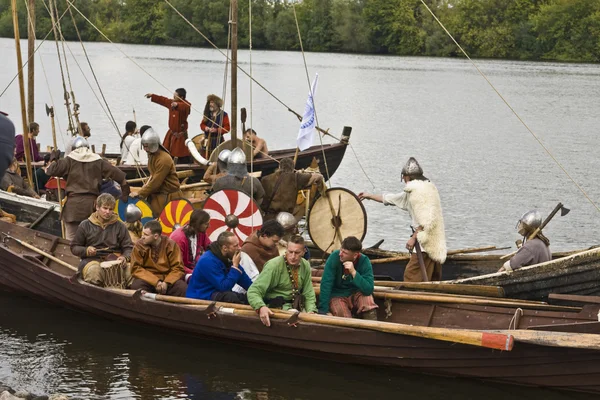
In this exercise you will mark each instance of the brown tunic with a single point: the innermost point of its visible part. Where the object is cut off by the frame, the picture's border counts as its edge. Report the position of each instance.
(168, 267)
(163, 185)
(83, 184)
(284, 198)
(19, 185)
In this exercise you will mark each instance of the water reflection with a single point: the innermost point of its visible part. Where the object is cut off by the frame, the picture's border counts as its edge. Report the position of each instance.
(89, 358)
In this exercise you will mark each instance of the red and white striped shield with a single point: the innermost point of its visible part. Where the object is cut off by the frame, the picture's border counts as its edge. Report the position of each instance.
(233, 211)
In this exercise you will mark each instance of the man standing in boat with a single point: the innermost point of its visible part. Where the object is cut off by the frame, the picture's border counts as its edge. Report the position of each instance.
(422, 201)
(535, 250)
(84, 171)
(156, 263)
(237, 177)
(102, 237)
(347, 283)
(163, 185)
(34, 131)
(215, 123)
(179, 110)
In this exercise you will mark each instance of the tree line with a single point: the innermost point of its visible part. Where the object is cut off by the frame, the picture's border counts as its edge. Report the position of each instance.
(563, 30)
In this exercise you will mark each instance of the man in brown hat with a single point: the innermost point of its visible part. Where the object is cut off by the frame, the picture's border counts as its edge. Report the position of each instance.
(179, 110)
(215, 123)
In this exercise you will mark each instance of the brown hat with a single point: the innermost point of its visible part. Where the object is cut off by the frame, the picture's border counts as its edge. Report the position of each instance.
(213, 97)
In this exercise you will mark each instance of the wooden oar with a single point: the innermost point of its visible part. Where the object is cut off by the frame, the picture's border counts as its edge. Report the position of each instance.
(180, 174)
(406, 256)
(571, 340)
(42, 252)
(471, 290)
(496, 341)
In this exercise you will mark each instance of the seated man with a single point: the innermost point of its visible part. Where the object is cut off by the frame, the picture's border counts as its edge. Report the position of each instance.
(215, 275)
(347, 283)
(156, 263)
(259, 146)
(535, 250)
(285, 282)
(99, 238)
(192, 239)
(12, 181)
(260, 247)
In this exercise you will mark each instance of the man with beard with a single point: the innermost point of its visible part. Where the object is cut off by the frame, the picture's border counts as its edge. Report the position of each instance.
(34, 154)
(258, 248)
(535, 250)
(179, 110)
(215, 123)
(422, 201)
(218, 271)
(163, 185)
(347, 283)
(84, 171)
(100, 238)
(285, 282)
(156, 263)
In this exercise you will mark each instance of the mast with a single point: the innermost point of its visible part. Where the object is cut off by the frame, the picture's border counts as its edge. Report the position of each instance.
(15, 16)
(234, 42)
(30, 64)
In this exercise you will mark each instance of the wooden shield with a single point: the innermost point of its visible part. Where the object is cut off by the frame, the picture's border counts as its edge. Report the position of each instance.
(335, 216)
(233, 211)
(175, 214)
(121, 207)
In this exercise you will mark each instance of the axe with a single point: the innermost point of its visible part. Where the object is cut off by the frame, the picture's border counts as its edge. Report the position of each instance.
(563, 211)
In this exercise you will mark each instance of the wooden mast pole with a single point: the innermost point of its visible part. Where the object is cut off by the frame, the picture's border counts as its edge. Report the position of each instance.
(21, 90)
(234, 43)
(30, 64)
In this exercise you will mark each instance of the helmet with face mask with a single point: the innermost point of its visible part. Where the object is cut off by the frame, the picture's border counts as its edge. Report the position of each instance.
(236, 164)
(530, 221)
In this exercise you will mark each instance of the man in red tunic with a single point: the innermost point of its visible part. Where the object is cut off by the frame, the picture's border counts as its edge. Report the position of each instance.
(179, 110)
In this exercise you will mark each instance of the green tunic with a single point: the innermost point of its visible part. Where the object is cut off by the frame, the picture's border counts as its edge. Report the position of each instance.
(274, 281)
(332, 284)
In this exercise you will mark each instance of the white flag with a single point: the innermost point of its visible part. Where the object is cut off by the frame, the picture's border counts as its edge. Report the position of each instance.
(309, 122)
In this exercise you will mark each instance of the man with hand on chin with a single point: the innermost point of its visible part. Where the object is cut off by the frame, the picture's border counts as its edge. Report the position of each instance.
(156, 263)
(285, 282)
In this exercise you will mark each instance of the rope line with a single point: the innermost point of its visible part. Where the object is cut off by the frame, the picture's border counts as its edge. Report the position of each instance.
(511, 108)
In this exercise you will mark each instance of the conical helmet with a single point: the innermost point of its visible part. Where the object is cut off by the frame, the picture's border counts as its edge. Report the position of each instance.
(223, 159)
(151, 139)
(79, 141)
(412, 168)
(132, 213)
(531, 219)
(236, 164)
(286, 220)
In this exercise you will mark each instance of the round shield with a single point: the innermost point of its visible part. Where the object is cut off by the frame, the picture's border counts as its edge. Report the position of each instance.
(52, 184)
(175, 214)
(233, 211)
(121, 209)
(335, 216)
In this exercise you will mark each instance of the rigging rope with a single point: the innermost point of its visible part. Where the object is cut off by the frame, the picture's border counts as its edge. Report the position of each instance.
(251, 120)
(510, 107)
(312, 96)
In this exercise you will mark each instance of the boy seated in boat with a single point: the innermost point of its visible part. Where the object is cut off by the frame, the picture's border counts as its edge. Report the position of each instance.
(285, 282)
(13, 182)
(156, 263)
(218, 271)
(102, 237)
(347, 283)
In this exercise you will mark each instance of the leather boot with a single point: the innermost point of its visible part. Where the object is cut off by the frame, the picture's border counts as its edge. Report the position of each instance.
(370, 315)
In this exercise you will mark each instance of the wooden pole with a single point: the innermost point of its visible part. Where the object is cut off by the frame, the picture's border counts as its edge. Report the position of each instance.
(50, 112)
(234, 43)
(296, 156)
(22, 92)
(30, 64)
(42, 252)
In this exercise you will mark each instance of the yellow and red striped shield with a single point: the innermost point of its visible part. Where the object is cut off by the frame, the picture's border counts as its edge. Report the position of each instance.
(175, 214)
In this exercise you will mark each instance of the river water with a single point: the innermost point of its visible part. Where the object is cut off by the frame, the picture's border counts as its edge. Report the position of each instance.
(488, 167)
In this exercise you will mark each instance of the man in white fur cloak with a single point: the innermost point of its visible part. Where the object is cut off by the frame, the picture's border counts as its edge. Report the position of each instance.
(422, 201)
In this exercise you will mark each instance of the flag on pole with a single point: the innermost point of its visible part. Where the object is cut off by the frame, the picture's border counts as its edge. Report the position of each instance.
(309, 122)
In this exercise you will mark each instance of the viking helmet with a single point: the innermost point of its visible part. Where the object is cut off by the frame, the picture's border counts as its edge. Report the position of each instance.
(223, 159)
(79, 141)
(236, 164)
(531, 219)
(132, 213)
(412, 168)
(151, 138)
(286, 220)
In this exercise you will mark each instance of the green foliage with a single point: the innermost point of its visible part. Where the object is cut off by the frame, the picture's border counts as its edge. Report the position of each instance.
(566, 30)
